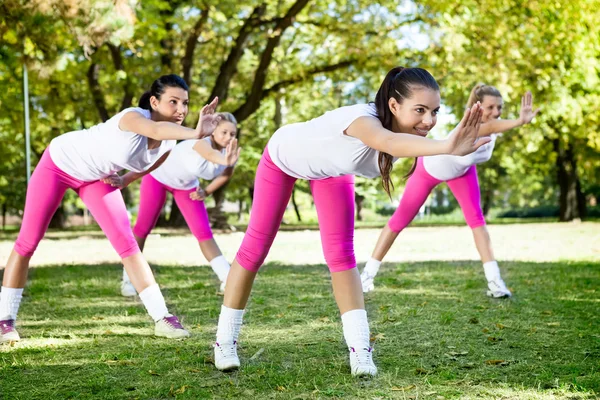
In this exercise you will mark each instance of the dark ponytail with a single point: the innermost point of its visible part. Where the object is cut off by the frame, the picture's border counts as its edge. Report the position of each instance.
(158, 88)
(144, 101)
(398, 83)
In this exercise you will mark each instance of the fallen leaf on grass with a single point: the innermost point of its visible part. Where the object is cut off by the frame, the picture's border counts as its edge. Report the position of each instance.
(181, 390)
(497, 362)
(194, 371)
(379, 336)
(553, 324)
(153, 373)
(281, 388)
(421, 371)
(500, 326)
(474, 320)
(403, 388)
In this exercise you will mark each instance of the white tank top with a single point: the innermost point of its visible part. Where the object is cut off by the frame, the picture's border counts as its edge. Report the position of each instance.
(319, 149)
(446, 167)
(104, 149)
(184, 166)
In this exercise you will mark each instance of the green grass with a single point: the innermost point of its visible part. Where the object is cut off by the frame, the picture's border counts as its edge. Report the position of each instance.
(436, 336)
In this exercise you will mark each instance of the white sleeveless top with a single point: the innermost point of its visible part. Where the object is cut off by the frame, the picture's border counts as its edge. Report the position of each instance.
(104, 149)
(446, 167)
(184, 166)
(319, 149)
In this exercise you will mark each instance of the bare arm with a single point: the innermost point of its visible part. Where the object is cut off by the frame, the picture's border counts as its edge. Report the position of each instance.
(200, 194)
(526, 115)
(164, 130)
(126, 179)
(370, 131)
(232, 153)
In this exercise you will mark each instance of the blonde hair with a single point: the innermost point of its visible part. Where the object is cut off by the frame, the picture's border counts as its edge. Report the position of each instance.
(480, 91)
(225, 116)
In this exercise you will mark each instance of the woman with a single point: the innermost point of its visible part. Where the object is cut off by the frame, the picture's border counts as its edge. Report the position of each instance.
(328, 151)
(213, 159)
(461, 175)
(135, 139)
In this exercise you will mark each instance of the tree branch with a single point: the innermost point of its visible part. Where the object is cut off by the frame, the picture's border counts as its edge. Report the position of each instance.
(229, 66)
(117, 58)
(97, 96)
(255, 95)
(302, 76)
(190, 46)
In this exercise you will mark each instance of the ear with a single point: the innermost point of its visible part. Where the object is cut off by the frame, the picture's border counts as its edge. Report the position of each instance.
(394, 106)
(153, 103)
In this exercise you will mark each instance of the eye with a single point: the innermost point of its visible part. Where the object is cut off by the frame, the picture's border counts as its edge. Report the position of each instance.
(186, 103)
(420, 110)
(173, 102)
(435, 112)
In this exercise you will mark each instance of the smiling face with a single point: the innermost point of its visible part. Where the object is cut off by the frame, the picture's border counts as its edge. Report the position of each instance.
(492, 108)
(417, 114)
(224, 133)
(172, 105)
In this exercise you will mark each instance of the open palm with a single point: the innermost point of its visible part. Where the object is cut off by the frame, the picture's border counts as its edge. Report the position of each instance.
(208, 120)
(527, 113)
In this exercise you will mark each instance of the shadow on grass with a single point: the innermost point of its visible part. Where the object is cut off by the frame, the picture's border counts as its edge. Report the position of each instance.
(435, 334)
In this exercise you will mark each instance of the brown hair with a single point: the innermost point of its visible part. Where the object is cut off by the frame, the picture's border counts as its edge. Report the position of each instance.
(399, 84)
(480, 91)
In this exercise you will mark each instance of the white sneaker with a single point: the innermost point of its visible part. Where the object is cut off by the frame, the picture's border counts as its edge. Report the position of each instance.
(361, 362)
(170, 327)
(368, 282)
(226, 358)
(497, 289)
(8, 333)
(127, 289)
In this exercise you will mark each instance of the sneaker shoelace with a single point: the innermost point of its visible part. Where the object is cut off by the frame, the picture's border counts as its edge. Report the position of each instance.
(173, 321)
(363, 356)
(228, 351)
(8, 325)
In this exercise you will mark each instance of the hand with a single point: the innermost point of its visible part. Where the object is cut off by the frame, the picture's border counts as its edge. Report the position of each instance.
(208, 121)
(115, 180)
(199, 194)
(232, 153)
(466, 140)
(527, 114)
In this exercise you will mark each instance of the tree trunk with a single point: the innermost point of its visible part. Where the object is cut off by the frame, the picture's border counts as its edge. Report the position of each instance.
(571, 198)
(486, 200)
(3, 216)
(296, 209)
(218, 220)
(59, 219)
(359, 200)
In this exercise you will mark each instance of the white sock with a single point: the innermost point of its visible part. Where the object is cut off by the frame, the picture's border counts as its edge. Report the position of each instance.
(10, 300)
(230, 323)
(356, 329)
(491, 270)
(126, 277)
(154, 302)
(372, 267)
(221, 267)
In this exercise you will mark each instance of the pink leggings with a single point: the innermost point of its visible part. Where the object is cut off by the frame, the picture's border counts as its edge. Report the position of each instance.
(152, 198)
(465, 188)
(334, 201)
(46, 189)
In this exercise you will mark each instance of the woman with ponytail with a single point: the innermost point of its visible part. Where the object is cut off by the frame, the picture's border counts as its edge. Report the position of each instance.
(364, 140)
(137, 139)
(212, 158)
(460, 172)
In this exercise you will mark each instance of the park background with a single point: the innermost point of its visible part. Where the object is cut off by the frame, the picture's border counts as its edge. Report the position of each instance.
(277, 62)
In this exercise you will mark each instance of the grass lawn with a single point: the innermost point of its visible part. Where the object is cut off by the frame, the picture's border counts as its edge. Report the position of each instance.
(436, 336)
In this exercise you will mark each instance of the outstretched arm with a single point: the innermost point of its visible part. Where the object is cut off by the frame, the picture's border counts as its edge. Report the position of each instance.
(370, 131)
(526, 115)
(232, 153)
(124, 180)
(164, 130)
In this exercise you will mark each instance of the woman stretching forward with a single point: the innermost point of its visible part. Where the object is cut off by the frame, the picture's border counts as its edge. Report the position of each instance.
(212, 158)
(135, 139)
(461, 175)
(328, 151)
